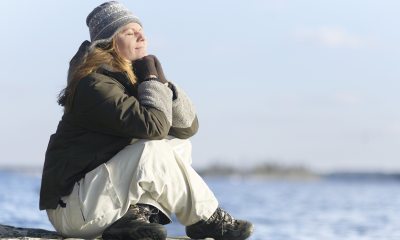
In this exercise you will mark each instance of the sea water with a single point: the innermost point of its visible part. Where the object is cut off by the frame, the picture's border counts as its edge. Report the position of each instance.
(279, 209)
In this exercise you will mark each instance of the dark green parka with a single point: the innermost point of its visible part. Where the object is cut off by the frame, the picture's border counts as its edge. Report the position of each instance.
(107, 113)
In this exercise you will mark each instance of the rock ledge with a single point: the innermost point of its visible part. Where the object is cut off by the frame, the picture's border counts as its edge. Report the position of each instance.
(9, 232)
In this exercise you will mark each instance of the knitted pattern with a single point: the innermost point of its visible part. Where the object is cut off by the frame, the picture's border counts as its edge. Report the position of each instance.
(157, 95)
(105, 20)
(183, 111)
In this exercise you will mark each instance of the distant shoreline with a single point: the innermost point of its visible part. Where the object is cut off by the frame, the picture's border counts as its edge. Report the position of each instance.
(266, 171)
(276, 171)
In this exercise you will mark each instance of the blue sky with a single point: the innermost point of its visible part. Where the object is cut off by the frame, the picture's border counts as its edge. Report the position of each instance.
(294, 82)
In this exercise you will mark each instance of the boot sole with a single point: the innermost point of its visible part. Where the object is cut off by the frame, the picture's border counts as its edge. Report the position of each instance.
(137, 233)
(202, 234)
(149, 234)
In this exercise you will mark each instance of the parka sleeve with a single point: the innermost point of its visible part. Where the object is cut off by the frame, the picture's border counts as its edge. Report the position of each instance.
(184, 119)
(101, 104)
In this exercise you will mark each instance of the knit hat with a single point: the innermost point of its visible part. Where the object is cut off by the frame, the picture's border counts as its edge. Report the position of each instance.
(105, 21)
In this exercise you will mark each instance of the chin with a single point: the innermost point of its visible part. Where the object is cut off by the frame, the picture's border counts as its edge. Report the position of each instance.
(141, 53)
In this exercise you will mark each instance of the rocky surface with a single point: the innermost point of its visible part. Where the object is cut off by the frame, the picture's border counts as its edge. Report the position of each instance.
(26, 233)
(9, 232)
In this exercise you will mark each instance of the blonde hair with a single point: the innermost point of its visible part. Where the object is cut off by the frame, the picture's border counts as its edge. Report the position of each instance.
(102, 54)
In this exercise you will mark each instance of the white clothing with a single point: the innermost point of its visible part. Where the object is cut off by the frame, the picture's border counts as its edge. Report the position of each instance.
(155, 172)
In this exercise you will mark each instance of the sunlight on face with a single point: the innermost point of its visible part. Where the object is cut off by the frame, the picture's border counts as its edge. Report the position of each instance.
(131, 42)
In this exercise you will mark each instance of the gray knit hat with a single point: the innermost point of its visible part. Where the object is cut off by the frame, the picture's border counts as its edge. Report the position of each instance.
(105, 21)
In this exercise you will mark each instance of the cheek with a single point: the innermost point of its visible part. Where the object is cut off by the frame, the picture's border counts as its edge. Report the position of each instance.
(123, 48)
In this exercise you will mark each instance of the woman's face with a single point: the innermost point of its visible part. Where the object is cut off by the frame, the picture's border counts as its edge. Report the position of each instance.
(130, 42)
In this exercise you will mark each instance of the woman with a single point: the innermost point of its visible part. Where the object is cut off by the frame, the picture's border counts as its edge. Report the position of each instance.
(119, 163)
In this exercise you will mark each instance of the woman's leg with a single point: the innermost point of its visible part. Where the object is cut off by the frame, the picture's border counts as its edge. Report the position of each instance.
(155, 172)
(164, 174)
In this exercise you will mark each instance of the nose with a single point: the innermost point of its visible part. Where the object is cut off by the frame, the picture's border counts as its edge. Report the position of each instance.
(139, 36)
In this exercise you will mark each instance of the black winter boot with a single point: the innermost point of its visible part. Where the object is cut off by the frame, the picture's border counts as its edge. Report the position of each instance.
(220, 226)
(136, 225)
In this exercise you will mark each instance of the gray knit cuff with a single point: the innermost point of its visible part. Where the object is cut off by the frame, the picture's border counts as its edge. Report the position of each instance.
(157, 95)
(183, 111)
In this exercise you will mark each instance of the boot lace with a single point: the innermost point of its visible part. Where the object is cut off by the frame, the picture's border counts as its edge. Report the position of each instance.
(145, 213)
(223, 220)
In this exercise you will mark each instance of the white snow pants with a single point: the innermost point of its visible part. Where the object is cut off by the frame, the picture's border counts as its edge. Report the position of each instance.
(155, 172)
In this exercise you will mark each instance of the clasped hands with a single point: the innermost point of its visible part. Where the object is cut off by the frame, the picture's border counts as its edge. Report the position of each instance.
(149, 68)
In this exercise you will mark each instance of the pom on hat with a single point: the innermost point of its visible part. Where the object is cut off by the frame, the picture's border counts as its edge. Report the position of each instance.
(105, 20)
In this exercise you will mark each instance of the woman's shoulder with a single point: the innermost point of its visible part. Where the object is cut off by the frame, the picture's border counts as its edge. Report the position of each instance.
(96, 78)
(97, 87)
(99, 80)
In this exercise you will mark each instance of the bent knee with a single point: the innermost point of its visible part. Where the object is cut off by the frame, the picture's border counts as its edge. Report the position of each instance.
(156, 144)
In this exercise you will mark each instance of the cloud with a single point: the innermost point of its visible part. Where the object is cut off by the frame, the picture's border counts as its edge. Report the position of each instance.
(334, 37)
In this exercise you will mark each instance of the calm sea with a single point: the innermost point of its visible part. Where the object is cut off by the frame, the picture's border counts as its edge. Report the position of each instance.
(280, 210)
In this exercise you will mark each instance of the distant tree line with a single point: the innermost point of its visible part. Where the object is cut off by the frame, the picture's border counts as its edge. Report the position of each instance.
(265, 170)
(296, 172)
